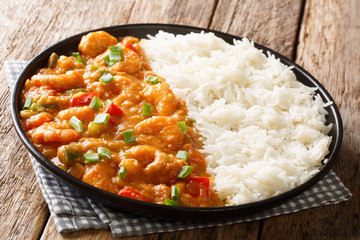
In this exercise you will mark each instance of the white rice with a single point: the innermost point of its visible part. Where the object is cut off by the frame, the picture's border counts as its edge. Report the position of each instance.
(262, 130)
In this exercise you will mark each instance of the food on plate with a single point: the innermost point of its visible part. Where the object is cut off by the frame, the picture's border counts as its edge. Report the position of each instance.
(263, 132)
(184, 120)
(104, 117)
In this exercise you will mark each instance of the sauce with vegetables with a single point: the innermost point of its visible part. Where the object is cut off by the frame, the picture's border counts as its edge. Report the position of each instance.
(104, 117)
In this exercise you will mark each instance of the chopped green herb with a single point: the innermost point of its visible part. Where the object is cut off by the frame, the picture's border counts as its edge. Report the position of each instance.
(108, 102)
(91, 157)
(170, 202)
(152, 79)
(74, 90)
(147, 109)
(114, 57)
(107, 61)
(192, 122)
(37, 107)
(70, 154)
(102, 118)
(175, 192)
(116, 48)
(104, 152)
(182, 126)
(106, 78)
(95, 103)
(93, 67)
(78, 58)
(128, 136)
(28, 102)
(76, 124)
(185, 171)
(122, 172)
(183, 155)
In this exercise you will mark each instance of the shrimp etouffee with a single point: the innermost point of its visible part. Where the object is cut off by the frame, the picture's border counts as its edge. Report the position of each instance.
(104, 117)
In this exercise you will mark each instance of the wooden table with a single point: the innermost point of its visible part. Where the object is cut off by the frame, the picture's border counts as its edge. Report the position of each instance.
(322, 36)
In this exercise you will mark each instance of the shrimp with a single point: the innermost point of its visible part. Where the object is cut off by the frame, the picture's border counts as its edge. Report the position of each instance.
(160, 131)
(164, 168)
(130, 64)
(65, 63)
(144, 153)
(85, 114)
(66, 81)
(37, 120)
(161, 97)
(96, 43)
(159, 167)
(53, 132)
(100, 175)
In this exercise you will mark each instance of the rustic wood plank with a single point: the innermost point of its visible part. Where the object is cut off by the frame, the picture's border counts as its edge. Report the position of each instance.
(189, 12)
(271, 23)
(329, 49)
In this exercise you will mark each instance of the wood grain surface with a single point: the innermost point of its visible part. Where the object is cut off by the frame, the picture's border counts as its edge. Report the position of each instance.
(323, 36)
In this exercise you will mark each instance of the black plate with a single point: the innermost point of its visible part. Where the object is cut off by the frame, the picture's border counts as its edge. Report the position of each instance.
(214, 213)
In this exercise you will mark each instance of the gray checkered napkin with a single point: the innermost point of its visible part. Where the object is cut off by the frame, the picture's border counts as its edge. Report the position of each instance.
(72, 211)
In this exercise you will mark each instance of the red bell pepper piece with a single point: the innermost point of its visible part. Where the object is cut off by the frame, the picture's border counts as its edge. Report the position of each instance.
(129, 45)
(132, 193)
(115, 113)
(203, 184)
(114, 110)
(205, 181)
(83, 99)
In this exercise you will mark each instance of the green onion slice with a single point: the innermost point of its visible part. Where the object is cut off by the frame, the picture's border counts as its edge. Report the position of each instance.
(107, 61)
(185, 171)
(95, 103)
(102, 118)
(114, 57)
(53, 60)
(116, 48)
(183, 155)
(78, 58)
(147, 109)
(91, 157)
(108, 102)
(93, 67)
(76, 124)
(152, 79)
(70, 155)
(122, 172)
(182, 126)
(37, 107)
(170, 202)
(175, 192)
(128, 136)
(74, 90)
(28, 102)
(192, 122)
(106, 78)
(104, 152)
